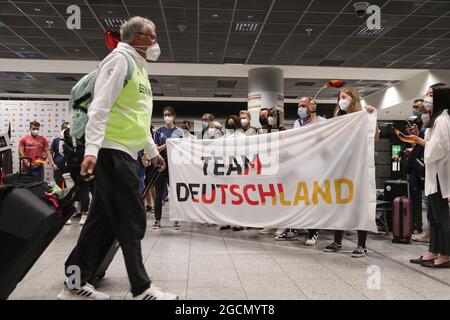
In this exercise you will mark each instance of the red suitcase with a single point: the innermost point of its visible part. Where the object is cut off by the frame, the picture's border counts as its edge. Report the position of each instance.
(401, 220)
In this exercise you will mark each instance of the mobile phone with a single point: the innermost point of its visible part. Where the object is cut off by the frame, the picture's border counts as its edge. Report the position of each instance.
(409, 124)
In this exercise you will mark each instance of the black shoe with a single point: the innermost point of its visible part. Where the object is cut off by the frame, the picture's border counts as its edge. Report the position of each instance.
(238, 228)
(431, 264)
(420, 260)
(333, 247)
(359, 252)
(225, 227)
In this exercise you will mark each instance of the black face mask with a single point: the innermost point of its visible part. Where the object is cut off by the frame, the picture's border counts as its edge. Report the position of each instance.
(230, 126)
(263, 121)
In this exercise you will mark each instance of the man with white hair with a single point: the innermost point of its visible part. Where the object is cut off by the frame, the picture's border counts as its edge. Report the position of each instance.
(118, 127)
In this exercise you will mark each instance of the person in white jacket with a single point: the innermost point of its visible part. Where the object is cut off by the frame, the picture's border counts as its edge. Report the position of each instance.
(437, 176)
(117, 129)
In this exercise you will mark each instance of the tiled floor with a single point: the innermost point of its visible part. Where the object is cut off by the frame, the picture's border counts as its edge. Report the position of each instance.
(201, 262)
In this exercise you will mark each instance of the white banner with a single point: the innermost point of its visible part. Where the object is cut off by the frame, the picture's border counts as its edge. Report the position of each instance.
(317, 177)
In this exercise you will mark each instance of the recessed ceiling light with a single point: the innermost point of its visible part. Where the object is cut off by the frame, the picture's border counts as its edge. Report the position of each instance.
(37, 9)
(110, 11)
(77, 50)
(211, 53)
(215, 15)
(250, 17)
(168, 85)
(49, 23)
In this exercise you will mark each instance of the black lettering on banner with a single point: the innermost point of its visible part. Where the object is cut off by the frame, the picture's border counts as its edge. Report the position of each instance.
(194, 192)
(234, 168)
(186, 190)
(205, 164)
(218, 165)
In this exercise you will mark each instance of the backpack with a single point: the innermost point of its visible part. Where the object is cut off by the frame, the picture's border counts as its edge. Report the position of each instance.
(82, 95)
(73, 149)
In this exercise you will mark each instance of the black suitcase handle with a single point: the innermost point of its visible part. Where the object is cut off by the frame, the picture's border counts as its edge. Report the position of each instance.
(154, 175)
(30, 170)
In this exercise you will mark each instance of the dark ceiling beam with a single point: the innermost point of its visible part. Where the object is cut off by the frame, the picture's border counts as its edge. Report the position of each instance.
(272, 4)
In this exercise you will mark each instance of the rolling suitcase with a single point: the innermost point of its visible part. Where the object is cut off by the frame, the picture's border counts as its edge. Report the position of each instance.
(29, 221)
(111, 247)
(21, 178)
(401, 220)
(394, 189)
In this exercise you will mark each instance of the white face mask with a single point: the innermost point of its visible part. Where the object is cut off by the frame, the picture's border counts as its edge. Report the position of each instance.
(205, 124)
(152, 53)
(428, 103)
(244, 122)
(344, 104)
(212, 131)
(302, 112)
(34, 133)
(168, 120)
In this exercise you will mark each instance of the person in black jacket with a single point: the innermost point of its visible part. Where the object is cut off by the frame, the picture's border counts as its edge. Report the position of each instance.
(415, 173)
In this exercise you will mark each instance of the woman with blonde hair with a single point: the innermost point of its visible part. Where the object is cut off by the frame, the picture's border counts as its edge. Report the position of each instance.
(349, 102)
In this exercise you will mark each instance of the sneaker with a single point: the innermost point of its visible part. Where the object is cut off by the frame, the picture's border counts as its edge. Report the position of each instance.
(333, 247)
(176, 225)
(155, 293)
(148, 208)
(68, 222)
(225, 227)
(238, 228)
(313, 240)
(423, 237)
(279, 231)
(288, 234)
(359, 252)
(266, 231)
(157, 224)
(86, 292)
(83, 219)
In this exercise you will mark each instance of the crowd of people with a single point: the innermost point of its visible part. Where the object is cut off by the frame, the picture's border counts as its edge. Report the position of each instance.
(125, 162)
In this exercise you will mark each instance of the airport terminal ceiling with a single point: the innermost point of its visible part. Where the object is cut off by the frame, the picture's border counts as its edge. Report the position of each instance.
(319, 34)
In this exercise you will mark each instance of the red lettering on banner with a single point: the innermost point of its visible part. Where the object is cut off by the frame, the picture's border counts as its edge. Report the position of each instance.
(234, 193)
(255, 163)
(222, 187)
(213, 195)
(246, 197)
(263, 194)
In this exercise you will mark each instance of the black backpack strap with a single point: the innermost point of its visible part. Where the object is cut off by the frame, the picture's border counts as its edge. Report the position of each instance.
(79, 101)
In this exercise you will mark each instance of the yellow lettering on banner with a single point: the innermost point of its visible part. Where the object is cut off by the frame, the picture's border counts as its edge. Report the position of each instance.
(283, 201)
(298, 194)
(338, 186)
(326, 195)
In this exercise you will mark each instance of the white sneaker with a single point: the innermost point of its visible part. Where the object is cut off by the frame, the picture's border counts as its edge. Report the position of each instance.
(83, 219)
(313, 240)
(288, 234)
(86, 292)
(155, 293)
(68, 222)
(266, 231)
(279, 231)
